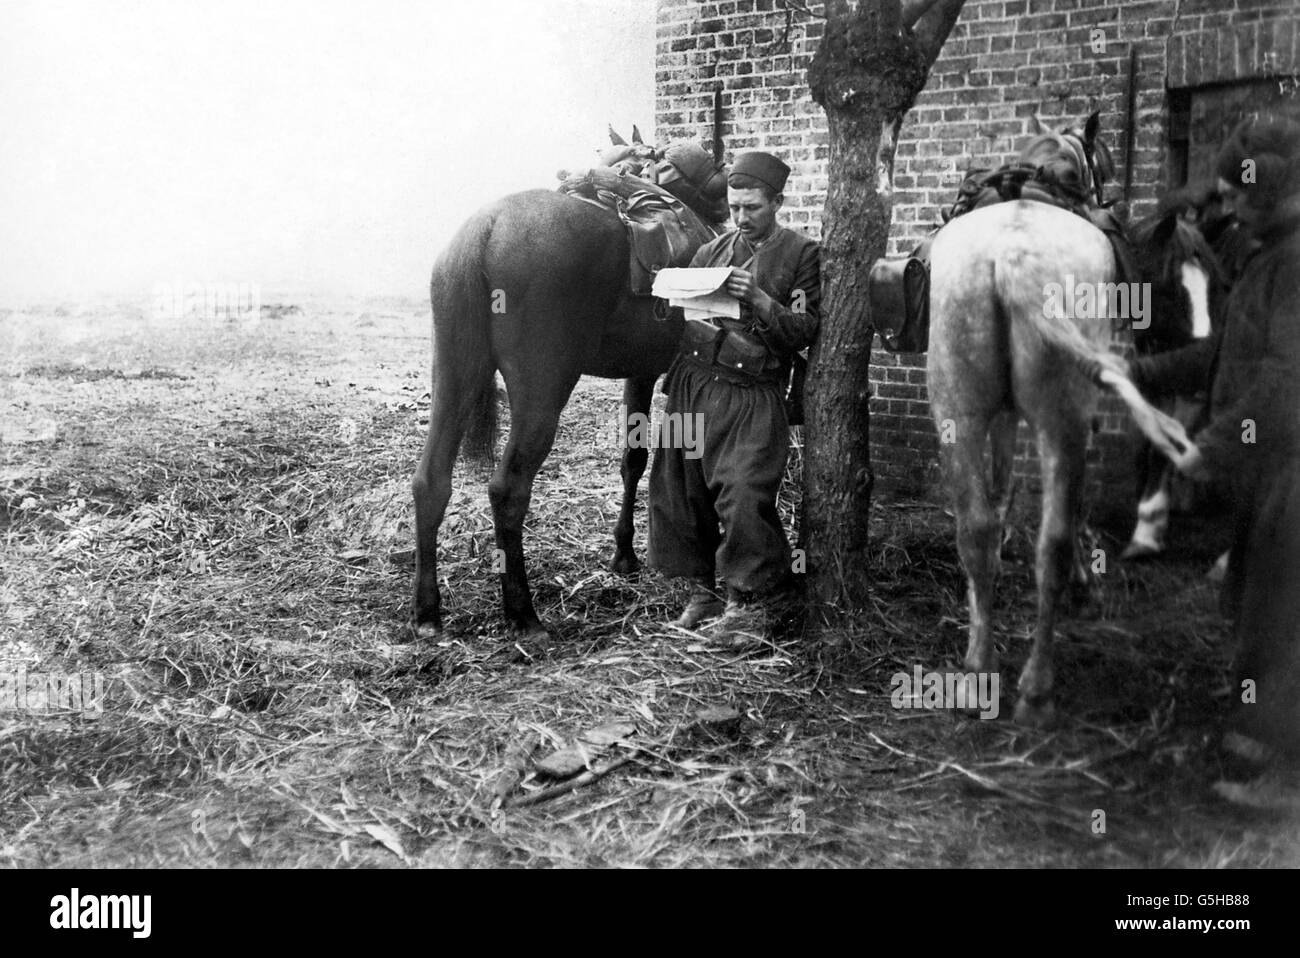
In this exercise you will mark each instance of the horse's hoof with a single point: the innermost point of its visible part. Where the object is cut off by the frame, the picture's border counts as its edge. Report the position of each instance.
(967, 706)
(624, 565)
(534, 634)
(1035, 714)
(976, 696)
(425, 632)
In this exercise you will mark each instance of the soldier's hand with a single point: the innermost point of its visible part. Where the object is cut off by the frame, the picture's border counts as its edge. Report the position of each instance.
(741, 285)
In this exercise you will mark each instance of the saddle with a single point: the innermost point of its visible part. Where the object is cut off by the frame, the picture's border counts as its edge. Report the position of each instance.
(1055, 183)
(662, 230)
(899, 290)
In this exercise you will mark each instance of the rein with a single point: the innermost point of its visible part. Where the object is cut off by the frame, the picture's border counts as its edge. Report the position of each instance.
(1092, 168)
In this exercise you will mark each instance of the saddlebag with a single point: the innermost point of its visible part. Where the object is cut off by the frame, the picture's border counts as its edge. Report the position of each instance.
(899, 295)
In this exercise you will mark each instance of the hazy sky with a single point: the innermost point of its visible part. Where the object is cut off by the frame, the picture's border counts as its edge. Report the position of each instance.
(297, 145)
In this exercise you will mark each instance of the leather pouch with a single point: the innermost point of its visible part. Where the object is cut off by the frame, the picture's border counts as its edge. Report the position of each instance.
(743, 353)
(701, 340)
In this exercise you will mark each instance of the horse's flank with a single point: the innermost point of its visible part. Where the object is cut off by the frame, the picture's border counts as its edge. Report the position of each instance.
(539, 277)
(1010, 253)
(534, 286)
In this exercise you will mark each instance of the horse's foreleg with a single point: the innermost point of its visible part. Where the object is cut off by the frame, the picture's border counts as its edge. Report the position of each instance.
(1061, 451)
(637, 395)
(1153, 508)
(533, 422)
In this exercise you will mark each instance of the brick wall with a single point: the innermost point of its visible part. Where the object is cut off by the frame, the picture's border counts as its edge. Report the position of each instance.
(1005, 60)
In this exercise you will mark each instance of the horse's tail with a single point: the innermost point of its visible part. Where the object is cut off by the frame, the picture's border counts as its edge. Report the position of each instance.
(462, 346)
(1098, 364)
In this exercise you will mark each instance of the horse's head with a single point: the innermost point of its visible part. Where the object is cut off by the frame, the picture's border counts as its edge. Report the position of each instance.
(1180, 251)
(1075, 156)
(637, 158)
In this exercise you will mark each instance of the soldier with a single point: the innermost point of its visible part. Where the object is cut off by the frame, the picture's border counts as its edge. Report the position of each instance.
(731, 373)
(1251, 449)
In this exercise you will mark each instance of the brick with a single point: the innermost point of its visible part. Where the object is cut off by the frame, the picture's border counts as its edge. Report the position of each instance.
(1006, 60)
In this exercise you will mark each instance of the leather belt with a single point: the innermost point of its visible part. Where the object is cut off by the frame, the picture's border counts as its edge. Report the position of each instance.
(696, 358)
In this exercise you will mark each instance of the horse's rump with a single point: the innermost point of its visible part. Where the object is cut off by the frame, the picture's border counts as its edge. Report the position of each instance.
(525, 256)
(995, 272)
(459, 294)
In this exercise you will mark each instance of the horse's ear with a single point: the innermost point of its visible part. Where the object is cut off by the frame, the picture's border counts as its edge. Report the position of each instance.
(1092, 127)
(615, 138)
(636, 136)
(1036, 125)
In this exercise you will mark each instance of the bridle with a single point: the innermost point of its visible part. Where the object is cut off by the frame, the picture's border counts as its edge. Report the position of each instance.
(1090, 163)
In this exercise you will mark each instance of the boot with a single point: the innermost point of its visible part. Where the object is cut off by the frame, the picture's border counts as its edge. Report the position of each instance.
(744, 621)
(757, 617)
(703, 604)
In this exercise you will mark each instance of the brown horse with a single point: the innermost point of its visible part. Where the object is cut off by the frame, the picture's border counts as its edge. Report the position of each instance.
(1191, 252)
(534, 286)
(997, 354)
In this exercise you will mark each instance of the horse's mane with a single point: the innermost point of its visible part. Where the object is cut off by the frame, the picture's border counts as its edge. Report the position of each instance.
(1051, 146)
(1062, 156)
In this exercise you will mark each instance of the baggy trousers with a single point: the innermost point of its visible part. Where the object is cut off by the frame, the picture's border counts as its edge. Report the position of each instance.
(731, 479)
(1262, 595)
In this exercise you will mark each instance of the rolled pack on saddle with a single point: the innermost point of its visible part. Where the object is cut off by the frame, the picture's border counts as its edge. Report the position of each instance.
(1052, 170)
(666, 221)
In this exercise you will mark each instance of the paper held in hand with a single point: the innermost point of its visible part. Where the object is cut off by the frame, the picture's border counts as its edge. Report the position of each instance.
(699, 291)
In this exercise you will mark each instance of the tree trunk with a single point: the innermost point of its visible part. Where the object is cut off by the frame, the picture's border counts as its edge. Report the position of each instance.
(866, 73)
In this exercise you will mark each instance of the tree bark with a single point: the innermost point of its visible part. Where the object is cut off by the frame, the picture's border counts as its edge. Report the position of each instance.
(873, 60)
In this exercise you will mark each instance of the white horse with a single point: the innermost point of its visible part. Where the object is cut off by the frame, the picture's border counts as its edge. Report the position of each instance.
(1000, 352)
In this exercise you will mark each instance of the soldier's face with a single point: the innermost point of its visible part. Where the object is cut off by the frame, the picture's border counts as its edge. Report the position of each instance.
(1233, 199)
(752, 213)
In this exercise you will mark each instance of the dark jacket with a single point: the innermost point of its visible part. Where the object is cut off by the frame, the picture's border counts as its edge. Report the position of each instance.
(1252, 368)
(1254, 371)
(786, 262)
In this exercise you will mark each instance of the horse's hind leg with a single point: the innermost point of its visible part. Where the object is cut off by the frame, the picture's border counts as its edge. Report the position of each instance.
(978, 532)
(456, 387)
(1062, 447)
(1002, 440)
(535, 406)
(637, 395)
